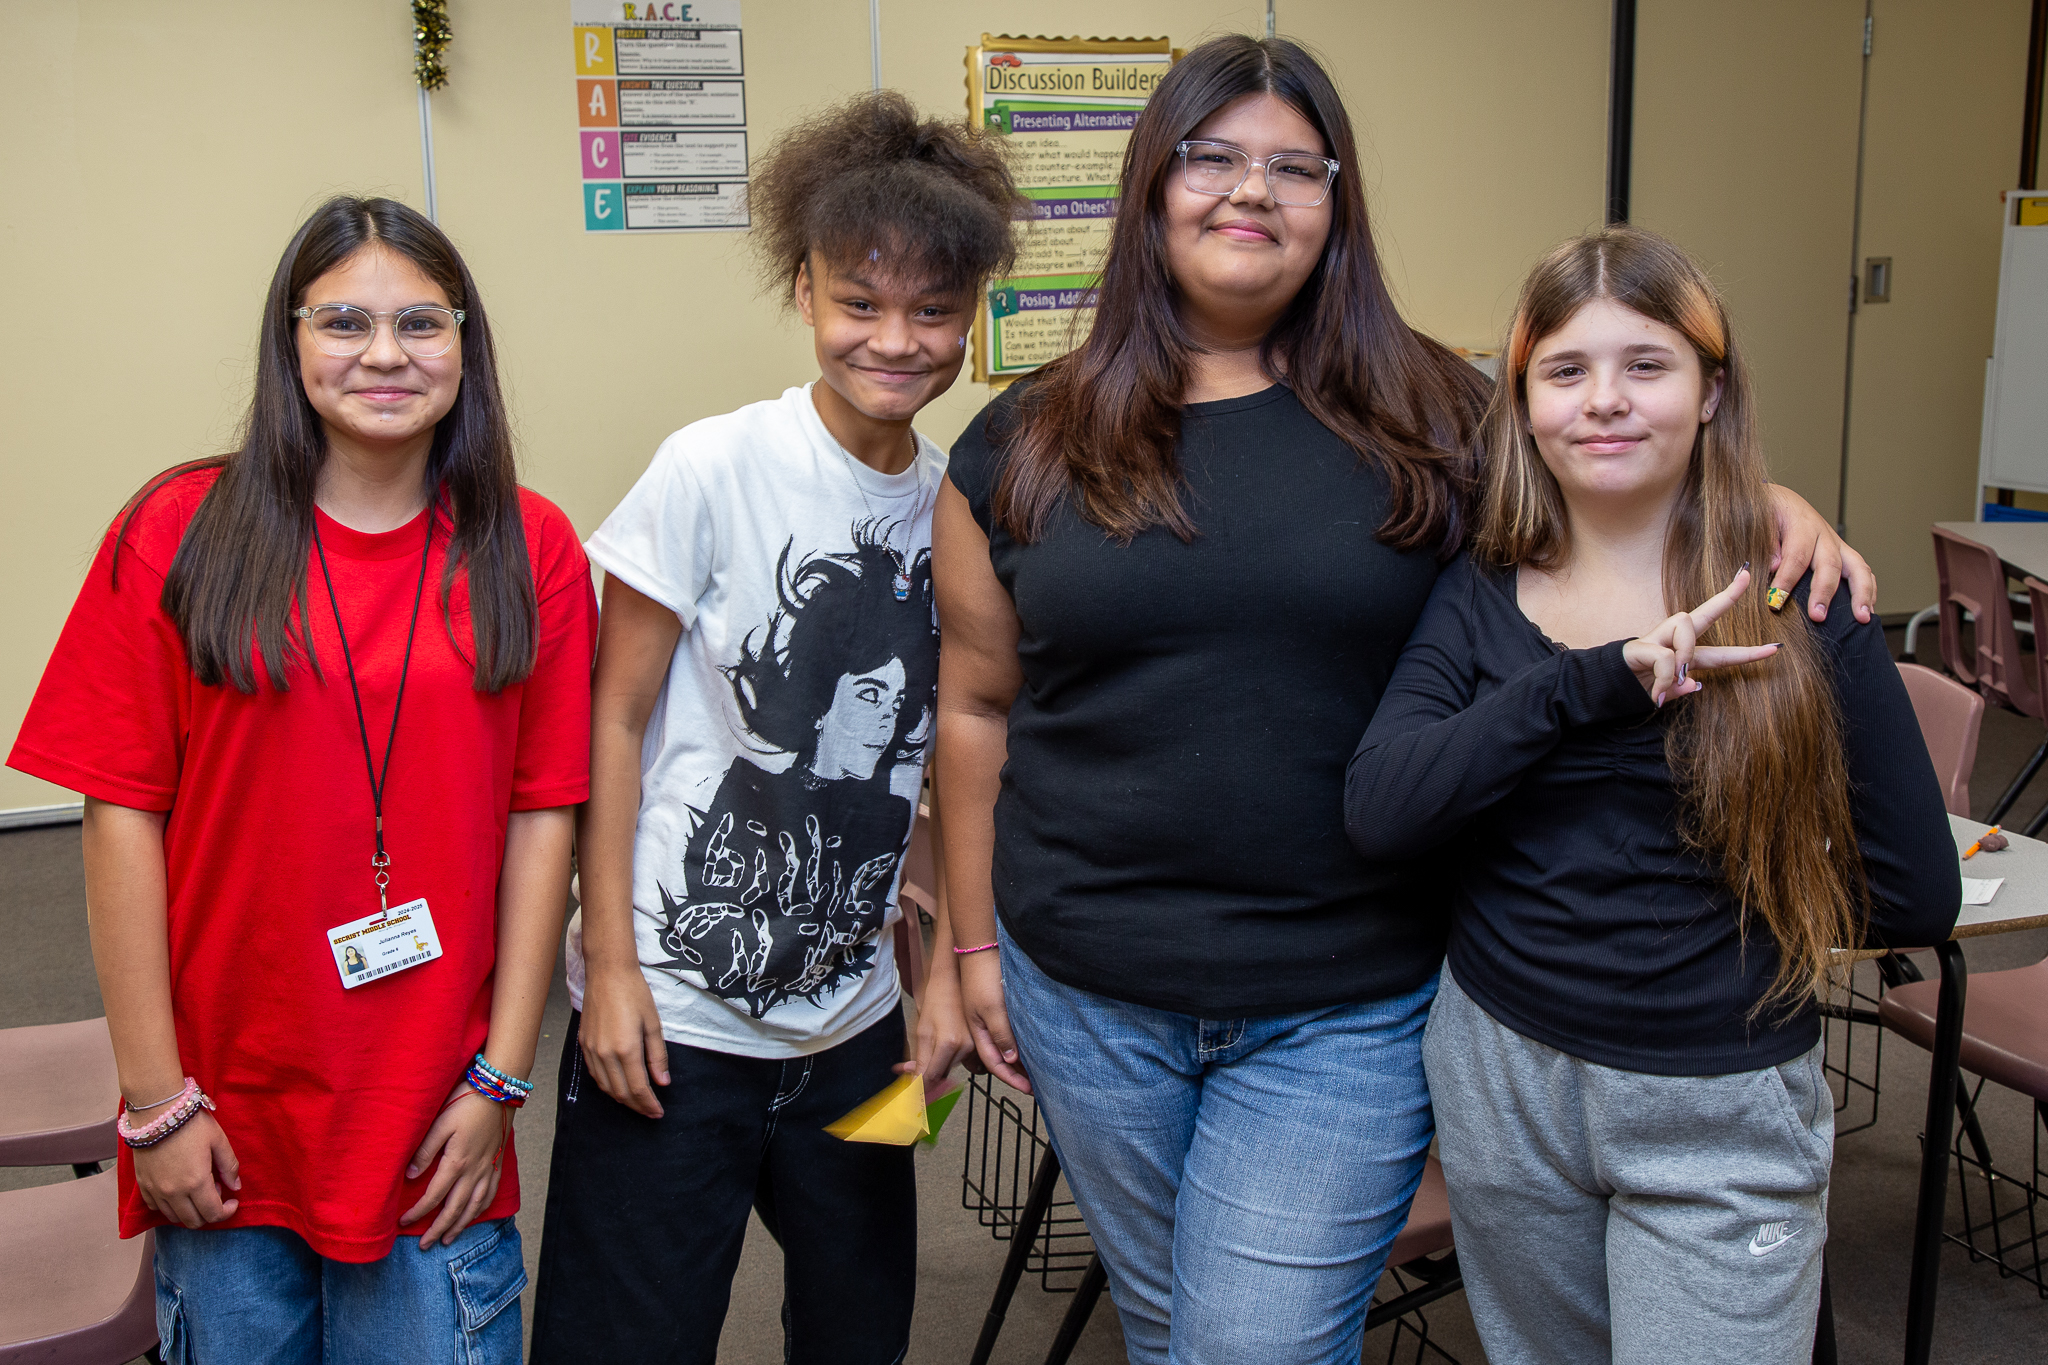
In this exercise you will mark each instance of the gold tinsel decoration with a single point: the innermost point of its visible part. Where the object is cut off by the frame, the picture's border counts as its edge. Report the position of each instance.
(430, 35)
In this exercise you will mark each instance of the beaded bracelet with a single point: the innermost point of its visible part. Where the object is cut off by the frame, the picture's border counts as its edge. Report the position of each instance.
(963, 952)
(495, 1085)
(190, 1101)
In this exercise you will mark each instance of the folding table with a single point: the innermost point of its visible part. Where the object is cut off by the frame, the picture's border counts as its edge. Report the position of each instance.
(2021, 545)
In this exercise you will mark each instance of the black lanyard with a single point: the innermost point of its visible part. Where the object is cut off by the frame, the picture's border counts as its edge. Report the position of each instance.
(380, 861)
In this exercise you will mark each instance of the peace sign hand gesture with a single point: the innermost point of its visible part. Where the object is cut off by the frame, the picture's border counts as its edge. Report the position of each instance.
(1666, 660)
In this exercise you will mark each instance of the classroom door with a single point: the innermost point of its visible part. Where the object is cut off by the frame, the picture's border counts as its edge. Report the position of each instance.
(1745, 154)
(1942, 139)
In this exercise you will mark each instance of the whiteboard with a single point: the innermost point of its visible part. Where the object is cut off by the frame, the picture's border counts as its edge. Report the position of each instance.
(2014, 448)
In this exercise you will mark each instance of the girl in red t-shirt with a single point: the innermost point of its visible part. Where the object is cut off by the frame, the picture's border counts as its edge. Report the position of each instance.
(327, 699)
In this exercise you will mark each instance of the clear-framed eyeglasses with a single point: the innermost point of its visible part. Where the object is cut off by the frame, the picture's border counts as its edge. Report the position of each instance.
(1293, 178)
(423, 331)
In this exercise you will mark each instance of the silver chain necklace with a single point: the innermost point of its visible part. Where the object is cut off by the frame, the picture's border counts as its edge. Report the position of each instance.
(901, 583)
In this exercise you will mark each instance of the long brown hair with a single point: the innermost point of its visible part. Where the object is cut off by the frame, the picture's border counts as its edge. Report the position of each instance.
(1757, 755)
(1100, 423)
(241, 570)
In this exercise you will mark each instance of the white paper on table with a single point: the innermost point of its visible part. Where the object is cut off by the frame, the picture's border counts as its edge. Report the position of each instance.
(1976, 892)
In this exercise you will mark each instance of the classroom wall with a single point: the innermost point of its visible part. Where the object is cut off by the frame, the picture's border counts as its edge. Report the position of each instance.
(161, 156)
(156, 159)
(174, 149)
(1745, 153)
(1947, 89)
(1436, 93)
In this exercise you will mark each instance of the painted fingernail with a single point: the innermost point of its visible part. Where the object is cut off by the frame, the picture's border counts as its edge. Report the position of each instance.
(1776, 598)
(1744, 568)
(1681, 672)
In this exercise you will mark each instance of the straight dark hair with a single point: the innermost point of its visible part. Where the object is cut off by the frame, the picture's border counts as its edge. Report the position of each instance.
(1100, 423)
(241, 570)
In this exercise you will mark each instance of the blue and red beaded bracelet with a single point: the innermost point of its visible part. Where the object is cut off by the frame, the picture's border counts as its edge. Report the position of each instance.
(495, 1085)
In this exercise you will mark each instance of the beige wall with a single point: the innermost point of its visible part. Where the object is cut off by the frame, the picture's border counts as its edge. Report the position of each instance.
(156, 157)
(1485, 124)
(159, 156)
(1460, 207)
(1947, 83)
(1745, 153)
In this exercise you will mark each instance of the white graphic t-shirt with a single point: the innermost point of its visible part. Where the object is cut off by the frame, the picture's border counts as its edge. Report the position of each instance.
(782, 762)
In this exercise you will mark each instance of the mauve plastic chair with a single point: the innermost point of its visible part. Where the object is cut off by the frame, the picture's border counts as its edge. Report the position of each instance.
(1428, 1230)
(2005, 1041)
(58, 1095)
(2037, 602)
(73, 1292)
(919, 890)
(1973, 581)
(2005, 1025)
(1950, 715)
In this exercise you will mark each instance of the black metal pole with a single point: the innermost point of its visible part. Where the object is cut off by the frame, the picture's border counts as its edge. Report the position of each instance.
(1621, 109)
(2037, 71)
(1021, 1237)
(1076, 1320)
(1923, 1287)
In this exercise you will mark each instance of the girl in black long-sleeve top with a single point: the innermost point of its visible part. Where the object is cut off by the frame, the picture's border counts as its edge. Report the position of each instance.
(1651, 866)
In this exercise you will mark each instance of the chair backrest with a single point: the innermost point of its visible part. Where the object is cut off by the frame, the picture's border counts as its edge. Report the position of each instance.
(1973, 581)
(918, 890)
(2037, 602)
(1949, 715)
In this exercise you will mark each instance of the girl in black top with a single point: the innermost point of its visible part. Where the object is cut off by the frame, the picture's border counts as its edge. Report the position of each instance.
(1174, 572)
(1659, 832)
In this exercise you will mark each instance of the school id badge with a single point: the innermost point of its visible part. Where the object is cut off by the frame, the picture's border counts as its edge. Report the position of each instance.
(386, 942)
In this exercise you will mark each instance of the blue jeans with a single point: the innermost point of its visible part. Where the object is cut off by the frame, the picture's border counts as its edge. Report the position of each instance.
(261, 1296)
(1242, 1178)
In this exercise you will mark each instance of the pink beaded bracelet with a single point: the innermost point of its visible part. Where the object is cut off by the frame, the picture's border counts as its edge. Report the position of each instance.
(190, 1101)
(963, 952)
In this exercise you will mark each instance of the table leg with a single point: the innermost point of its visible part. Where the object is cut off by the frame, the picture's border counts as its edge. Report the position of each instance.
(1078, 1313)
(1941, 1114)
(1036, 1204)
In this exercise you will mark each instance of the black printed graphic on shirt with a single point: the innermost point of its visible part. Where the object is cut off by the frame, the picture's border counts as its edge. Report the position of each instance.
(786, 875)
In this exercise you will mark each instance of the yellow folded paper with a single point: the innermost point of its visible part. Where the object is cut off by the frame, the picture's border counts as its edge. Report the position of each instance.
(896, 1116)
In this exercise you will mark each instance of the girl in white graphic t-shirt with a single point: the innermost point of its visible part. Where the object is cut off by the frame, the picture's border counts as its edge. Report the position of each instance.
(763, 704)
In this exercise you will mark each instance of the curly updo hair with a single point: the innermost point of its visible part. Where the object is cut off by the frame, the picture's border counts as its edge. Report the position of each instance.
(933, 196)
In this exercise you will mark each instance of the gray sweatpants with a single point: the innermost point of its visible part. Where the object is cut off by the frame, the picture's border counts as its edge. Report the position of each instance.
(1613, 1215)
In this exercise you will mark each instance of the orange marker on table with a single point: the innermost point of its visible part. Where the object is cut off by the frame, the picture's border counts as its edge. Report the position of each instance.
(1971, 851)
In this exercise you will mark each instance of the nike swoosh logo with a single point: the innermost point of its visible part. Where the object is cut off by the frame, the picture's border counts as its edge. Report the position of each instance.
(1759, 1247)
